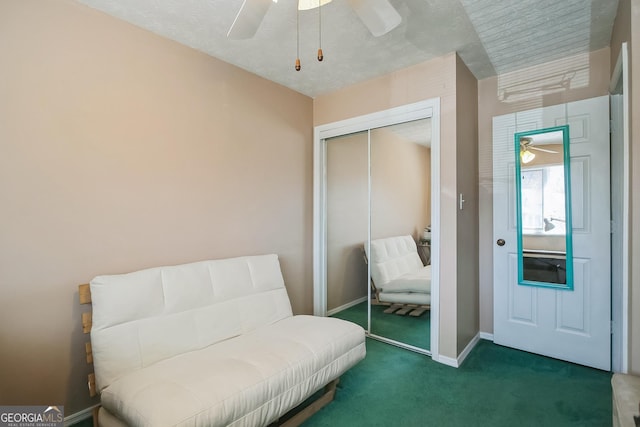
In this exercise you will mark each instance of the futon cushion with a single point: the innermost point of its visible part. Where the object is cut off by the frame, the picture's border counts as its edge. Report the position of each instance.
(420, 282)
(151, 315)
(393, 257)
(242, 380)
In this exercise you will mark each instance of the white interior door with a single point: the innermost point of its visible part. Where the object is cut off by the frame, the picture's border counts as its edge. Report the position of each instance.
(572, 325)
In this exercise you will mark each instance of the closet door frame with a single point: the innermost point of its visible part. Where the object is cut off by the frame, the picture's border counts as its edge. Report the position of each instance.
(420, 110)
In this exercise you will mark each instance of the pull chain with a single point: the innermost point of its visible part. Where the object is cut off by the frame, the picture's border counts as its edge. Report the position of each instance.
(320, 55)
(298, 40)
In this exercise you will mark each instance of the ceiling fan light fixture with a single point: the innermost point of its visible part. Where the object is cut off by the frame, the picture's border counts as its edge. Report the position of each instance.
(311, 4)
(526, 156)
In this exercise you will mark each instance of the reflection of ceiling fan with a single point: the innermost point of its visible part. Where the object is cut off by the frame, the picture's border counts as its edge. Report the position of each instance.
(525, 145)
(379, 16)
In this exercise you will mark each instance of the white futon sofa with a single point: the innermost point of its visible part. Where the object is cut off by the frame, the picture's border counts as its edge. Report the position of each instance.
(398, 275)
(211, 343)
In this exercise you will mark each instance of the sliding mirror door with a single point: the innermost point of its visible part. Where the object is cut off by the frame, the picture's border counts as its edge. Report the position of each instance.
(399, 252)
(347, 224)
(376, 177)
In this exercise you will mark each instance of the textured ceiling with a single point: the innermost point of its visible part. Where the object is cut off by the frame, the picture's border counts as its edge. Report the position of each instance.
(490, 36)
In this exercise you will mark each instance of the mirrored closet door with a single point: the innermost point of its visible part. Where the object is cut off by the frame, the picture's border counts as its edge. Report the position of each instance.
(399, 252)
(377, 214)
(347, 225)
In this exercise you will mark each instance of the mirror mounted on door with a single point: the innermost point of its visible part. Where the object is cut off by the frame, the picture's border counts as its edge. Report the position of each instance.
(543, 208)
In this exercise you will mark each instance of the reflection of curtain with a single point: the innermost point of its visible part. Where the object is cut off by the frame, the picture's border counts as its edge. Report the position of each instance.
(548, 270)
(543, 199)
(532, 199)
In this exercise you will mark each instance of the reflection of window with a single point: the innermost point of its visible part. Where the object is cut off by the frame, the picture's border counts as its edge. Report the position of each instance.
(543, 198)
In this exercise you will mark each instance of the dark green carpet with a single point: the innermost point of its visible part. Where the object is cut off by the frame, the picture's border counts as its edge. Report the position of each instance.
(415, 331)
(84, 423)
(494, 387)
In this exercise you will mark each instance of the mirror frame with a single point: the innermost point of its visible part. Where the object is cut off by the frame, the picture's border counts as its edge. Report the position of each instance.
(567, 203)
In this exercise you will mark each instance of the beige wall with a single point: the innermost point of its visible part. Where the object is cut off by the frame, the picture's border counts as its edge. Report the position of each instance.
(621, 29)
(468, 320)
(520, 91)
(430, 79)
(400, 186)
(122, 150)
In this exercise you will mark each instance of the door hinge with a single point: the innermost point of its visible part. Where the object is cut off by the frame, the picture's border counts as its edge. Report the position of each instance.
(611, 327)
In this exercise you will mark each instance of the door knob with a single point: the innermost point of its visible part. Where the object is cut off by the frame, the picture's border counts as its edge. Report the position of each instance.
(500, 242)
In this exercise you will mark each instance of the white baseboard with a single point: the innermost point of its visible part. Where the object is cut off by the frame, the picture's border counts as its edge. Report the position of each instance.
(79, 416)
(345, 306)
(486, 336)
(449, 361)
(468, 348)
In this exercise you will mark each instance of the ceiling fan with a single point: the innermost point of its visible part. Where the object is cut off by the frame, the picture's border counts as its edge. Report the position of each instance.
(379, 16)
(526, 143)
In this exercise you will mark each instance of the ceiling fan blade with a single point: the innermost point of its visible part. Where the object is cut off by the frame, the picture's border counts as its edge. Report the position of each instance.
(379, 16)
(248, 19)
(531, 147)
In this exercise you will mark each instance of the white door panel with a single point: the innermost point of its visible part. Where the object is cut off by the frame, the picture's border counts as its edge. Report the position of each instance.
(572, 325)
